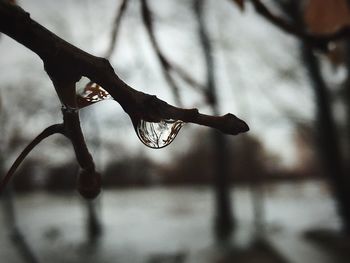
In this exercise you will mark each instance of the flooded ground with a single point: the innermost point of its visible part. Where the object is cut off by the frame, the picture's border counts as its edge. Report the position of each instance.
(169, 224)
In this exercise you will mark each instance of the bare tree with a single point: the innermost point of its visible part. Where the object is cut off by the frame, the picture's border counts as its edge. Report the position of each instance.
(328, 141)
(224, 221)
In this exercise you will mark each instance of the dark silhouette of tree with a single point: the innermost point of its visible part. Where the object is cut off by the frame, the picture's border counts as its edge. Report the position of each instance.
(346, 100)
(326, 131)
(224, 219)
(328, 141)
(327, 137)
(224, 222)
(65, 65)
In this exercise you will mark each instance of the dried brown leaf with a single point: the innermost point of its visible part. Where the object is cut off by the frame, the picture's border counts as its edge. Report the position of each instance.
(326, 16)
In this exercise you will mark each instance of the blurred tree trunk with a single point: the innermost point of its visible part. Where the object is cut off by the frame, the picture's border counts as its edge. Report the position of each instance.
(15, 234)
(94, 227)
(93, 222)
(329, 147)
(327, 138)
(346, 98)
(224, 223)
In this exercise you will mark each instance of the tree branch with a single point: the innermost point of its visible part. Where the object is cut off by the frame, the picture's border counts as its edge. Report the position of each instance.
(147, 21)
(56, 128)
(319, 41)
(89, 181)
(116, 27)
(166, 65)
(63, 61)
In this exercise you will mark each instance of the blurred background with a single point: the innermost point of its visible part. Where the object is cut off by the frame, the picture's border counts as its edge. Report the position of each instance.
(280, 193)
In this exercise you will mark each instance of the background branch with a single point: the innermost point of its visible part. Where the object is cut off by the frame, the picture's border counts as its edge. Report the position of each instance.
(147, 21)
(56, 128)
(115, 30)
(167, 66)
(319, 41)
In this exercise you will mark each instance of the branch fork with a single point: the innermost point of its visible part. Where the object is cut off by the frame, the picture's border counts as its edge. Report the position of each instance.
(66, 64)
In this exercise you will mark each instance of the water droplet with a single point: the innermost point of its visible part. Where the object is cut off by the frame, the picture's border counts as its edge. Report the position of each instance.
(91, 94)
(158, 134)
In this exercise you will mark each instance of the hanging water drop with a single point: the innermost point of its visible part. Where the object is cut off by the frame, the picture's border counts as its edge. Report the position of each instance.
(158, 134)
(91, 94)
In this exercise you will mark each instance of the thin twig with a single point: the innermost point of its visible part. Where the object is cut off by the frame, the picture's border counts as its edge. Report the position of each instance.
(167, 66)
(56, 128)
(115, 30)
(208, 56)
(187, 77)
(147, 20)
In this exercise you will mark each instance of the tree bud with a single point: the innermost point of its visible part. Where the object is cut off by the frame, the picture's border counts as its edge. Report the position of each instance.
(89, 184)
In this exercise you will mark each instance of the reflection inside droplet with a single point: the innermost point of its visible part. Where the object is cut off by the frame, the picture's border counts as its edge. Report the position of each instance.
(158, 134)
(91, 94)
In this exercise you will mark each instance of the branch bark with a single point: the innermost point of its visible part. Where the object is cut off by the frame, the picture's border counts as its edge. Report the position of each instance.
(56, 128)
(167, 66)
(63, 61)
